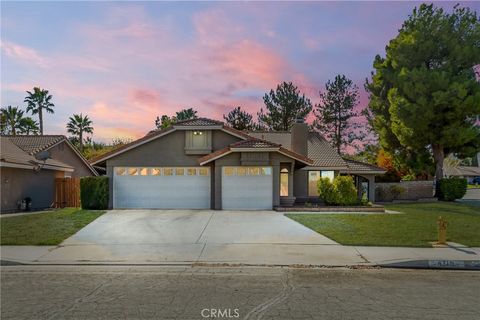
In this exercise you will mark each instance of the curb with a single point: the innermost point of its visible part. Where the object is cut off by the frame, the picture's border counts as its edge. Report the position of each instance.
(435, 264)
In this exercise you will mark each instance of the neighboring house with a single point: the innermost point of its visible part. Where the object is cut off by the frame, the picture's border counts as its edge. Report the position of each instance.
(30, 164)
(468, 172)
(204, 164)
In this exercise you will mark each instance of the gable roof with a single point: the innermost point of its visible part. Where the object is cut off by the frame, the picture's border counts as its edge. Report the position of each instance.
(152, 135)
(322, 153)
(33, 144)
(256, 145)
(14, 156)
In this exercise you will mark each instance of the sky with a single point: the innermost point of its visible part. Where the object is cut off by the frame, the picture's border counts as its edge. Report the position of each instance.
(124, 63)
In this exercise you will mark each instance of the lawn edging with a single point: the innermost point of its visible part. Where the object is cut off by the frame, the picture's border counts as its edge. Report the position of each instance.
(374, 208)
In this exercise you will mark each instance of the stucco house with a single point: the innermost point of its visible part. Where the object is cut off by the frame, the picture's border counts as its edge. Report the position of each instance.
(204, 164)
(30, 164)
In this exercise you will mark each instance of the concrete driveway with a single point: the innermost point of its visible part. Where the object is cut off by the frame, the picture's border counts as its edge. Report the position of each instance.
(199, 236)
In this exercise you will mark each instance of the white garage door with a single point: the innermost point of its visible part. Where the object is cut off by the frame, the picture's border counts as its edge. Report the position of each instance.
(161, 188)
(247, 188)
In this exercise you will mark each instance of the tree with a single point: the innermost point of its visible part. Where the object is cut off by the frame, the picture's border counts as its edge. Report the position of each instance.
(164, 122)
(424, 96)
(186, 114)
(239, 119)
(334, 113)
(79, 125)
(28, 126)
(3, 123)
(13, 119)
(38, 101)
(283, 107)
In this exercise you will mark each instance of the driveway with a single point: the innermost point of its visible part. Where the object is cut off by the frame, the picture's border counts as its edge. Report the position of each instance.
(199, 236)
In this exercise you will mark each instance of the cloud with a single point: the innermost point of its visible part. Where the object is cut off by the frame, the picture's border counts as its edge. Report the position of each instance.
(23, 54)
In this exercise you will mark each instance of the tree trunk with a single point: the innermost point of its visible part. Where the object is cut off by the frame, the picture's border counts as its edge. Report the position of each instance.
(438, 157)
(81, 141)
(40, 119)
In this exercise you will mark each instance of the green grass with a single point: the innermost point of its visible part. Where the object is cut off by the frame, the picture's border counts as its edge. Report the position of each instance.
(415, 228)
(49, 228)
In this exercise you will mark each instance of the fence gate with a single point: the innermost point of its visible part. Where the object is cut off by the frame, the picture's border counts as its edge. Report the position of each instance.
(67, 192)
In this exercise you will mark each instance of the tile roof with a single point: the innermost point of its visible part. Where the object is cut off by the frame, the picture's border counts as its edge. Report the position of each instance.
(10, 153)
(199, 122)
(357, 166)
(35, 143)
(322, 153)
(461, 171)
(281, 137)
(254, 143)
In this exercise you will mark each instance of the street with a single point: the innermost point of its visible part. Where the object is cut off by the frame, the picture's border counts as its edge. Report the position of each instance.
(153, 292)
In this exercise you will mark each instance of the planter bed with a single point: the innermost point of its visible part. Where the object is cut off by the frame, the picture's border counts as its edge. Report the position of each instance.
(374, 208)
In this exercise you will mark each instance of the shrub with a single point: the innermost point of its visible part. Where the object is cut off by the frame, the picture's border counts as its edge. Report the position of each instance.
(396, 191)
(341, 191)
(452, 188)
(94, 193)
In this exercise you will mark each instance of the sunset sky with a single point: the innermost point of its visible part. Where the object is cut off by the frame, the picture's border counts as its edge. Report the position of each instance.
(125, 63)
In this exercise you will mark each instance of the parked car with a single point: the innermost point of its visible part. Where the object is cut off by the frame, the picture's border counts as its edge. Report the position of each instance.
(476, 181)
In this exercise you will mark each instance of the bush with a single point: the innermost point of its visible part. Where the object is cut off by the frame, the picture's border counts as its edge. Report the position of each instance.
(94, 193)
(396, 191)
(452, 188)
(341, 191)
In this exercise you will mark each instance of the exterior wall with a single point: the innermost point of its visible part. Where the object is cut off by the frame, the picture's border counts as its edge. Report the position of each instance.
(166, 151)
(413, 190)
(300, 188)
(17, 184)
(62, 152)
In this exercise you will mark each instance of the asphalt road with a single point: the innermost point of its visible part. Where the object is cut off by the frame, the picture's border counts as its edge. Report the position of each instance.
(116, 292)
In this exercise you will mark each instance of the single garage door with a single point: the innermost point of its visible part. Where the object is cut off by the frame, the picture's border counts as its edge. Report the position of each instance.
(247, 188)
(161, 188)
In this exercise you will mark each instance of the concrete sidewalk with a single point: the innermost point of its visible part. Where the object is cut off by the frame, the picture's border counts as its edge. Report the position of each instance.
(248, 254)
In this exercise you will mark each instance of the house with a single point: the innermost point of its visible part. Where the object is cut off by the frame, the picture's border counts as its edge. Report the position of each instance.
(30, 164)
(204, 164)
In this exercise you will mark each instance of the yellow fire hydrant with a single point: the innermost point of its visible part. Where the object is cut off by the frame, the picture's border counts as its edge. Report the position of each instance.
(442, 231)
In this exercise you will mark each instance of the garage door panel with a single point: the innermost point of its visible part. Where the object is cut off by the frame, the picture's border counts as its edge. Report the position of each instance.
(246, 192)
(163, 192)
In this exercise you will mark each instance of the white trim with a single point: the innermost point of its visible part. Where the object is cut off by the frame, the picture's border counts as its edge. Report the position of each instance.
(362, 172)
(133, 146)
(276, 149)
(317, 168)
(216, 157)
(76, 152)
(293, 157)
(15, 165)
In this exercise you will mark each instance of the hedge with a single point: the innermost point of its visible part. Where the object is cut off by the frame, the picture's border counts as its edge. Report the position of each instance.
(452, 188)
(341, 191)
(94, 193)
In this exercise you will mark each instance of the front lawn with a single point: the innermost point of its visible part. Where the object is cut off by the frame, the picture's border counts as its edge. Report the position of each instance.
(49, 228)
(416, 227)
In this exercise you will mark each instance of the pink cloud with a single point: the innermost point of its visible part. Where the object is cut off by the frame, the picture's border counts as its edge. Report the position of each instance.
(23, 54)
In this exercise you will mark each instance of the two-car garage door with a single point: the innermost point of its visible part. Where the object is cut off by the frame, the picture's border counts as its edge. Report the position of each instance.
(162, 188)
(243, 188)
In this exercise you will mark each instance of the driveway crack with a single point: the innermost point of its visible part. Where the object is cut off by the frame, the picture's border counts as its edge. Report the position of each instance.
(208, 222)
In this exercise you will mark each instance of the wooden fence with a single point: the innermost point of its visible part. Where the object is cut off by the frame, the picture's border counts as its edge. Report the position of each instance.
(67, 192)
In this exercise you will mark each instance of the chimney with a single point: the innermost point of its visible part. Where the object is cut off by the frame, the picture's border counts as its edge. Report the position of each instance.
(299, 136)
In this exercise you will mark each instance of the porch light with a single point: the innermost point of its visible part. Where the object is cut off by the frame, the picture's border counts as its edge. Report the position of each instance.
(197, 133)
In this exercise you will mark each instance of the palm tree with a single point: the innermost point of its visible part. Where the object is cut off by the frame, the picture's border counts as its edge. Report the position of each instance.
(37, 101)
(78, 125)
(28, 126)
(13, 118)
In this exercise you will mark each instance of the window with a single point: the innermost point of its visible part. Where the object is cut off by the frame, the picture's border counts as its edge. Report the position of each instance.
(253, 171)
(168, 171)
(267, 171)
(143, 171)
(229, 171)
(191, 172)
(241, 171)
(313, 177)
(203, 171)
(120, 171)
(198, 142)
(179, 171)
(133, 171)
(328, 174)
(156, 172)
(284, 183)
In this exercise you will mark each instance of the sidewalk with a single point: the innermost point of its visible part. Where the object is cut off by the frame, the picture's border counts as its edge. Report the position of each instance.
(332, 255)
